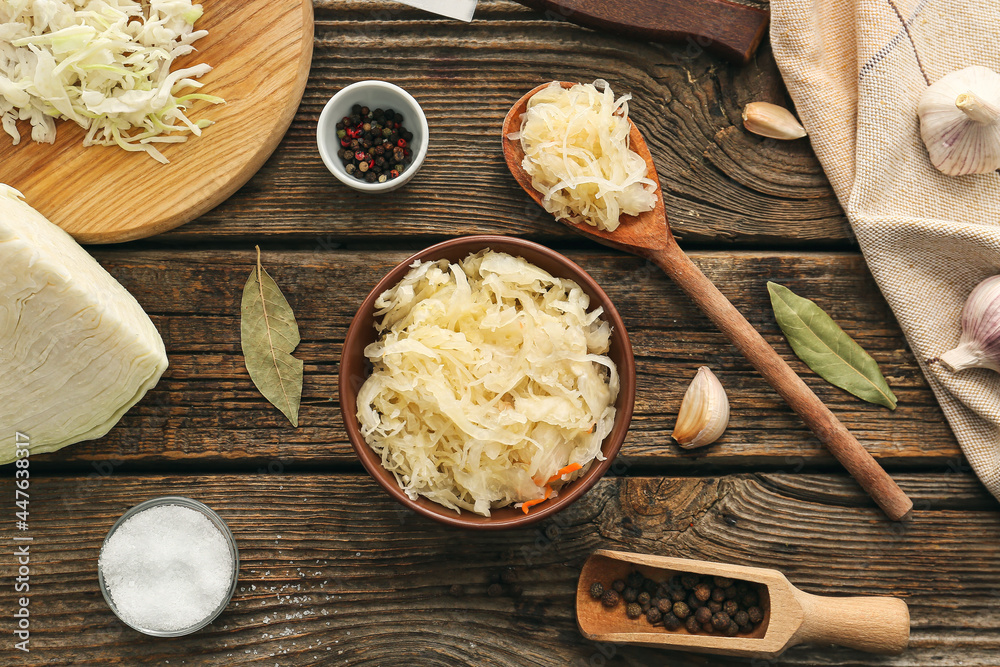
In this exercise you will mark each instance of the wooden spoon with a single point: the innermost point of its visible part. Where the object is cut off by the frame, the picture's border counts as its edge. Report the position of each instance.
(648, 235)
(791, 617)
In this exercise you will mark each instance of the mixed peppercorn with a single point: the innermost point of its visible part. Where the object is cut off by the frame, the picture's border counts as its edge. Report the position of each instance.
(701, 604)
(374, 145)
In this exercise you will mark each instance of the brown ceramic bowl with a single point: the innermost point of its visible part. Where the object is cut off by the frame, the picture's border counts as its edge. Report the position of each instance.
(355, 368)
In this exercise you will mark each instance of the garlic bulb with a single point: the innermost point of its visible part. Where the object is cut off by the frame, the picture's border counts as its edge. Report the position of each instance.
(979, 346)
(960, 121)
(704, 412)
(770, 120)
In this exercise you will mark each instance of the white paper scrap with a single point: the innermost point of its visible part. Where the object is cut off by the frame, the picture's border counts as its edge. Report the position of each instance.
(455, 9)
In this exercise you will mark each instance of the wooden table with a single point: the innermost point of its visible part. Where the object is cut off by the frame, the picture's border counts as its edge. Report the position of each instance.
(333, 572)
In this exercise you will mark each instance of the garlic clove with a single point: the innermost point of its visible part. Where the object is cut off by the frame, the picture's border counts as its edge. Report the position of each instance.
(960, 121)
(704, 412)
(979, 346)
(770, 120)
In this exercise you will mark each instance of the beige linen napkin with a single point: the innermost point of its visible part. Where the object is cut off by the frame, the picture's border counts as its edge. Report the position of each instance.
(856, 70)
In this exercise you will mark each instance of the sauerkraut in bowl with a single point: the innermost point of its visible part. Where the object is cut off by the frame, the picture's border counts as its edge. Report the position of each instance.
(492, 386)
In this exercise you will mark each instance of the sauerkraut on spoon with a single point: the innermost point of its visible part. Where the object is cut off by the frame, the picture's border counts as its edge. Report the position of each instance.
(576, 152)
(491, 384)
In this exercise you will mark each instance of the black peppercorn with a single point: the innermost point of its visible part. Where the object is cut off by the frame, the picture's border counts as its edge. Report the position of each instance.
(644, 597)
(494, 590)
(370, 137)
(596, 590)
(456, 590)
(714, 606)
(649, 586)
(634, 580)
(653, 615)
(677, 594)
(703, 614)
(689, 580)
(610, 599)
(723, 582)
(618, 585)
(694, 602)
(732, 593)
(719, 594)
(630, 594)
(681, 610)
(756, 615)
(664, 605)
(708, 627)
(730, 607)
(645, 606)
(732, 630)
(633, 610)
(692, 625)
(671, 622)
(721, 620)
(703, 592)
(741, 618)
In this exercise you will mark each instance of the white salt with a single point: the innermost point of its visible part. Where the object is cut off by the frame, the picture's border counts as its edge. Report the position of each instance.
(167, 568)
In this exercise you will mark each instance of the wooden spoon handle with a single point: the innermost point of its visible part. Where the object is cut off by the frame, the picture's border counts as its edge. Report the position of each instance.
(869, 474)
(730, 29)
(875, 625)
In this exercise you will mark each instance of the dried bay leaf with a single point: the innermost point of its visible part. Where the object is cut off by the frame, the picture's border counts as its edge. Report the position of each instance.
(269, 335)
(818, 341)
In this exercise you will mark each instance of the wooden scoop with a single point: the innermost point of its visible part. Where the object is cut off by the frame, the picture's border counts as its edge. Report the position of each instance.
(791, 617)
(648, 235)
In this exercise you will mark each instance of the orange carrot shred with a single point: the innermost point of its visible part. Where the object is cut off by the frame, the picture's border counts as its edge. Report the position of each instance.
(572, 467)
(525, 506)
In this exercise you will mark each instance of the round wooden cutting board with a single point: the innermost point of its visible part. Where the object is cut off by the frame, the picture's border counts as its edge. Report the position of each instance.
(261, 51)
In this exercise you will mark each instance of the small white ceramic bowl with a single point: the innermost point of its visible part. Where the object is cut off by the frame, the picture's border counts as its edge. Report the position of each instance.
(374, 95)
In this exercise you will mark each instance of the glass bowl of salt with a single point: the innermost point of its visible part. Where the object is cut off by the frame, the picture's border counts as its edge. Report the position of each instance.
(168, 566)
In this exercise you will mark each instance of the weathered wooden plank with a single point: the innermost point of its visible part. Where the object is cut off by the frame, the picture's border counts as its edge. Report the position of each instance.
(721, 184)
(206, 411)
(334, 572)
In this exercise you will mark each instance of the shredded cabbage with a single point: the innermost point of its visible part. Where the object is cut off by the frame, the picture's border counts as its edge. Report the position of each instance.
(576, 150)
(105, 65)
(490, 377)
